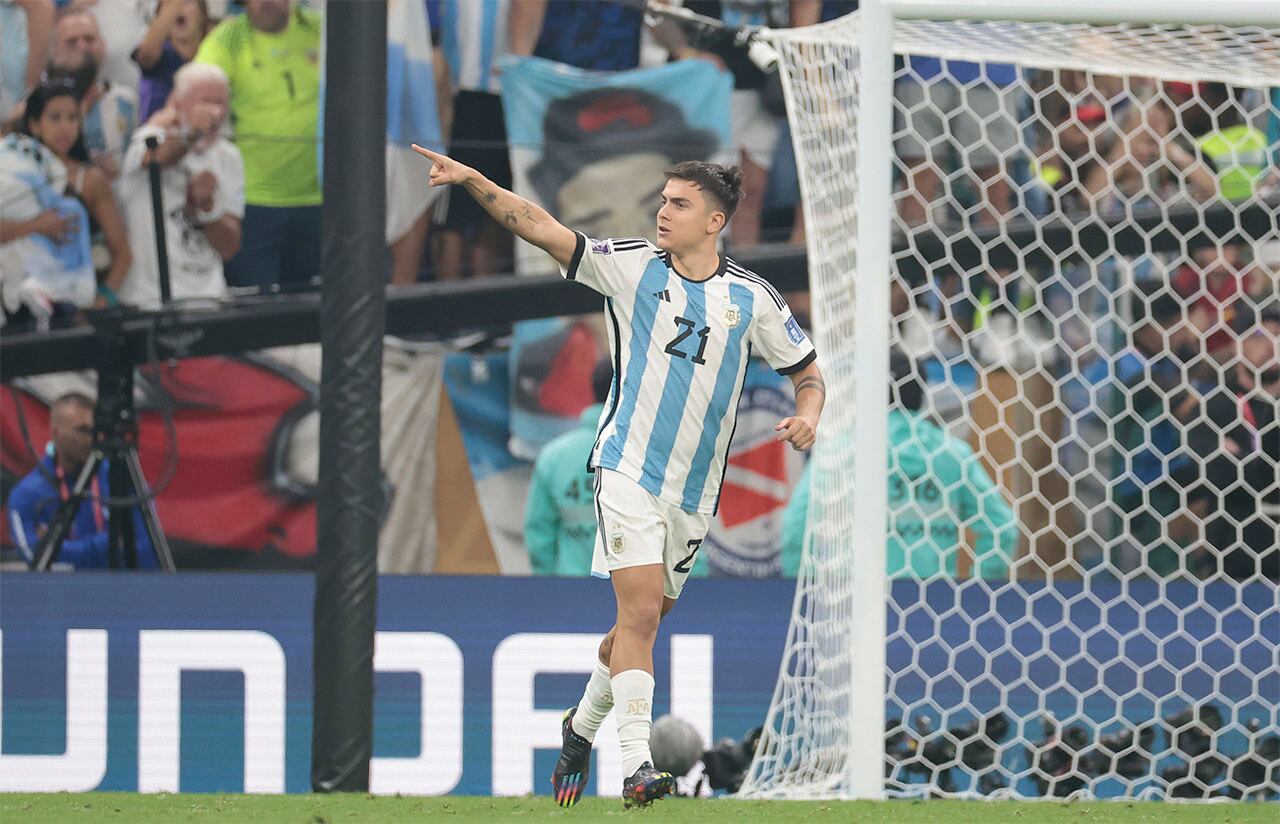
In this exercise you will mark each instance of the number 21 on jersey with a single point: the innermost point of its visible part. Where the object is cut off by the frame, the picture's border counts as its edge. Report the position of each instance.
(684, 329)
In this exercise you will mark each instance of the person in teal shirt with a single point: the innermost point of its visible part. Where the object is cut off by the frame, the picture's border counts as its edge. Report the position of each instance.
(937, 487)
(560, 517)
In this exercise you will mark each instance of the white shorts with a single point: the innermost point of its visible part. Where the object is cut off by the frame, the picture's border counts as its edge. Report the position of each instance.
(636, 529)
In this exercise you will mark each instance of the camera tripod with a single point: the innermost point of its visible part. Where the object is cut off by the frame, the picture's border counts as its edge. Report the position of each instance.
(115, 429)
(115, 426)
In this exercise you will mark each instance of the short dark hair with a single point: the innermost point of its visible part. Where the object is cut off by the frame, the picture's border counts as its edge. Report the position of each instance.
(722, 183)
(602, 380)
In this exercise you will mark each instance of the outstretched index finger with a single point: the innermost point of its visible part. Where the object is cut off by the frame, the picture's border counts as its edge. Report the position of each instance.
(434, 157)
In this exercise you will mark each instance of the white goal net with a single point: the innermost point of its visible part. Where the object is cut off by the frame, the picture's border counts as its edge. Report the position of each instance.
(1083, 507)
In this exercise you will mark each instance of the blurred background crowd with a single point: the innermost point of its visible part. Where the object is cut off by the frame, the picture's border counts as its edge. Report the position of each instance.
(1164, 434)
(86, 81)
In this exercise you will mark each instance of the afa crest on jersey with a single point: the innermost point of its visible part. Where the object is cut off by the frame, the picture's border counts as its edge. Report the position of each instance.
(732, 316)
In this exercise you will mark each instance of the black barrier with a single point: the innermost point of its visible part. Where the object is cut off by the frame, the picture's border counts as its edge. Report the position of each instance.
(249, 324)
(352, 326)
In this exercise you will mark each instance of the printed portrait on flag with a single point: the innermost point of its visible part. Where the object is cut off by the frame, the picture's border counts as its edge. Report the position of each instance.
(590, 148)
(596, 139)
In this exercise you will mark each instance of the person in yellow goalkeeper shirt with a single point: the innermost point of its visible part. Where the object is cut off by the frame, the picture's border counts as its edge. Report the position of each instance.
(271, 55)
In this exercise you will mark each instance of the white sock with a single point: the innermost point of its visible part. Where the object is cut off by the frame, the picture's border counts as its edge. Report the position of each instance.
(633, 696)
(597, 700)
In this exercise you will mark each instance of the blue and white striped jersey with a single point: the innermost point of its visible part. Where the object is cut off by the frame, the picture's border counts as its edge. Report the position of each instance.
(680, 350)
(473, 34)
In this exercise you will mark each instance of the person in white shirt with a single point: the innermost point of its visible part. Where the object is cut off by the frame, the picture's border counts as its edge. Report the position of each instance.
(683, 321)
(202, 187)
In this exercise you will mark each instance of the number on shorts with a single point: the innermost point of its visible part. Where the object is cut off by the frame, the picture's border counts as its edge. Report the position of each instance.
(683, 566)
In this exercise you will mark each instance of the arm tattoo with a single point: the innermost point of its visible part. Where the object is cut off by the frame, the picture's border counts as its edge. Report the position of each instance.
(509, 218)
(812, 382)
(527, 211)
(490, 197)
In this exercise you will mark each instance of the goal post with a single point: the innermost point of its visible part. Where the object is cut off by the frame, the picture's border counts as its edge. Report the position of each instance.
(870, 410)
(1130, 221)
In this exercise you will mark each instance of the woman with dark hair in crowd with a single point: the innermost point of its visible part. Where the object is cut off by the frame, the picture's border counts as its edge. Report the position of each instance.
(45, 267)
(52, 116)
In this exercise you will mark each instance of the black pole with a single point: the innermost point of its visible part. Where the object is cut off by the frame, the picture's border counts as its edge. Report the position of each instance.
(352, 321)
(157, 219)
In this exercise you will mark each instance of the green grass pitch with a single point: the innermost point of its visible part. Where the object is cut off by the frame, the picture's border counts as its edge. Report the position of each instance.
(339, 809)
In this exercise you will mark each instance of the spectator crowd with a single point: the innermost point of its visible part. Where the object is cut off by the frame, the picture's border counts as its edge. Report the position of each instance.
(1176, 352)
(240, 167)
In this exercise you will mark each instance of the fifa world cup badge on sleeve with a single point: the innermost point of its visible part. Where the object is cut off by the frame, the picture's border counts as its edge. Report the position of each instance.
(600, 247)
(732, 316)
(794, 331)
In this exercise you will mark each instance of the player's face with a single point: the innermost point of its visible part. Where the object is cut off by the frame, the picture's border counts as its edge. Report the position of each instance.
(603, 199)
(687, 217)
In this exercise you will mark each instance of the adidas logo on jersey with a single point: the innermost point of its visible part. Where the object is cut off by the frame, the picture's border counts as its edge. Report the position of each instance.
(665, 294)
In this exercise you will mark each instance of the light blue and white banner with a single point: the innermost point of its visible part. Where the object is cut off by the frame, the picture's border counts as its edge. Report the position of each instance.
(413, 114)
(591, 148)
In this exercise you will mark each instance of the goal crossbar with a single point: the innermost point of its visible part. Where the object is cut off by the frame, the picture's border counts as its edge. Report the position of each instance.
(1097, 12)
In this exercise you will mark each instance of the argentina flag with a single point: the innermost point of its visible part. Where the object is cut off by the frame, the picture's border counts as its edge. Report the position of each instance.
(413, 114)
